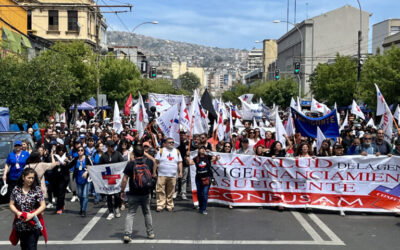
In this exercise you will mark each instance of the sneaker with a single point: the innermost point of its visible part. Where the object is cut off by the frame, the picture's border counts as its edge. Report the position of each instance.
(110, 216)
(151, 236)
(170, 209)
(68, 190)
(127, 239)
(122, 207)
(53, 200)
(50, 205)
(174, 195)
(183, 196)
(117, 213)
(59, 211)
(204, 212)
(83, 214)
(159, 209)
(74, 198)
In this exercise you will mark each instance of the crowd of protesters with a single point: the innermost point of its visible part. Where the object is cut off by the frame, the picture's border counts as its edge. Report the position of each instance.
(61, 161)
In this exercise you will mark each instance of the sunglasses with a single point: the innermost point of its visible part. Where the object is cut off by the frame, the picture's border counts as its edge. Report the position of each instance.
(81, 150)
(368, 139)
(227, 146)
(170, 142)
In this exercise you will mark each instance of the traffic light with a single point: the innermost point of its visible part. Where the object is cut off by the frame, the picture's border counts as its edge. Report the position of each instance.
(143, 67)
(297, 68)
(277, 74)
(153, 72)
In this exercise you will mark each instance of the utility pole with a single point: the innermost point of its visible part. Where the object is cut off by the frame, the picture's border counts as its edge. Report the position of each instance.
(359, 45)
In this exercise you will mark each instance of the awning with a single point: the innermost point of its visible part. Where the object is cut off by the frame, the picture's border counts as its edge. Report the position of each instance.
(7, 34)
(25, 42)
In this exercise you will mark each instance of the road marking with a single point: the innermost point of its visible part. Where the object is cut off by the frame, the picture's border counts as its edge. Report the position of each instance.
(189, 242)
(82, 234)
(314, 235)
(326, 229)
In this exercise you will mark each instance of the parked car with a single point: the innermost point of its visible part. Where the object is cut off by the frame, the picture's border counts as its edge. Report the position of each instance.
(7, 140)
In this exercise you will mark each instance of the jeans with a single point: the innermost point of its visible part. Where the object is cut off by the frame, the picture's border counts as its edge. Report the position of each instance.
(134, 201)
(184, 180)
(202, 194)
(165, 189)
(72, 183)
(29, 239)
(83, 190)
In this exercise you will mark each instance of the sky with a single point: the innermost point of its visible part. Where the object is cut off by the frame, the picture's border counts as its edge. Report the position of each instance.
(230, 23)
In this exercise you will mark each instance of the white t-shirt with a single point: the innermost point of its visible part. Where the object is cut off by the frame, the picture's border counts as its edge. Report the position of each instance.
(80, 123)
(169, 160)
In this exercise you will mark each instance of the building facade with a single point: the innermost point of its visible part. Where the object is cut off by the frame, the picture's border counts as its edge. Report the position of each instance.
(13, 29)
(270, 53)
(320, 39)
(66, 20)
(180, 68)
(382, 30)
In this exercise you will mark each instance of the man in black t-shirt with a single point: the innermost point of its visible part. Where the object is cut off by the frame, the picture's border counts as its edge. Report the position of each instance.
(137, 197)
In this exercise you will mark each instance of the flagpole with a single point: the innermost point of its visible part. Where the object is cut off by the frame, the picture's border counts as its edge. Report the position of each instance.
(190, 134)
(151, 134)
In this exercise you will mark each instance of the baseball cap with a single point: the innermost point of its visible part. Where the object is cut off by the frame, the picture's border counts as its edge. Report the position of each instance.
(17, 143)
(234, 134)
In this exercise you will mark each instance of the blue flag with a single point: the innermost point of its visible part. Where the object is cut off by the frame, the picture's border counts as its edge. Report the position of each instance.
(307, 126)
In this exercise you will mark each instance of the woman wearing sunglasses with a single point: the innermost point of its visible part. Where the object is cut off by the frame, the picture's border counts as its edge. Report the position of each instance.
(80, 165)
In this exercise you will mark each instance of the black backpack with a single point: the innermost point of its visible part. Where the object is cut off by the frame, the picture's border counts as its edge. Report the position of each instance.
(142, 178)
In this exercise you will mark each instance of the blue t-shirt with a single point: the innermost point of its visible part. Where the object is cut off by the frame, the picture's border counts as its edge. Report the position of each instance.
(80, 170)
(16, 163)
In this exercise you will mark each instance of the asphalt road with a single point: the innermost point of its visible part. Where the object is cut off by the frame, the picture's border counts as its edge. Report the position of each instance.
(222, 228)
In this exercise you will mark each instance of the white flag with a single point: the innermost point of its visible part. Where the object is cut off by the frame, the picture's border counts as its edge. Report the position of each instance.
(289, 125)
(197, 117)
(319, 107)
(380, 102)
(355, 109)
(345, 122)
(387, 124)
(169, 124)
(221, 128)
(141, 117)
(397, 113)
(184, 117)
(371, 123)
(63, 117)
(293, 104)
(280, 131)
(238, 124)
(320, 138)
(161, 105)
(246, 98)
(299, 105)
(337, 114)
(117, 124)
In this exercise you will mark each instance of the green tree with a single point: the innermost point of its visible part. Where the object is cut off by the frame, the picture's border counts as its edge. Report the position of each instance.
(384, 70)
(189, 81)
(119, 78)
(80, 60)
(278, 92)
(34, 90)
(335, 82)
(232, 95)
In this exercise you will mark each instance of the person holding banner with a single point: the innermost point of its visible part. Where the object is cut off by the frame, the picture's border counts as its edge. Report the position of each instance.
(366, 148)
(382, 146)
(204, 176)
(304, 150)
(396, 150)
(277, 150)
(112, 156)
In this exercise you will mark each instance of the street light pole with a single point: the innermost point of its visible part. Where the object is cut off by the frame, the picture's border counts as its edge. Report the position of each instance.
(301, 47)
(359, 45)
(133, 32)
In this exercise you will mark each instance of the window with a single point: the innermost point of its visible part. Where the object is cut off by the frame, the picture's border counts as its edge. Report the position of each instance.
(73, 20)
(53, 19)
(394, 30)
(29, 20)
